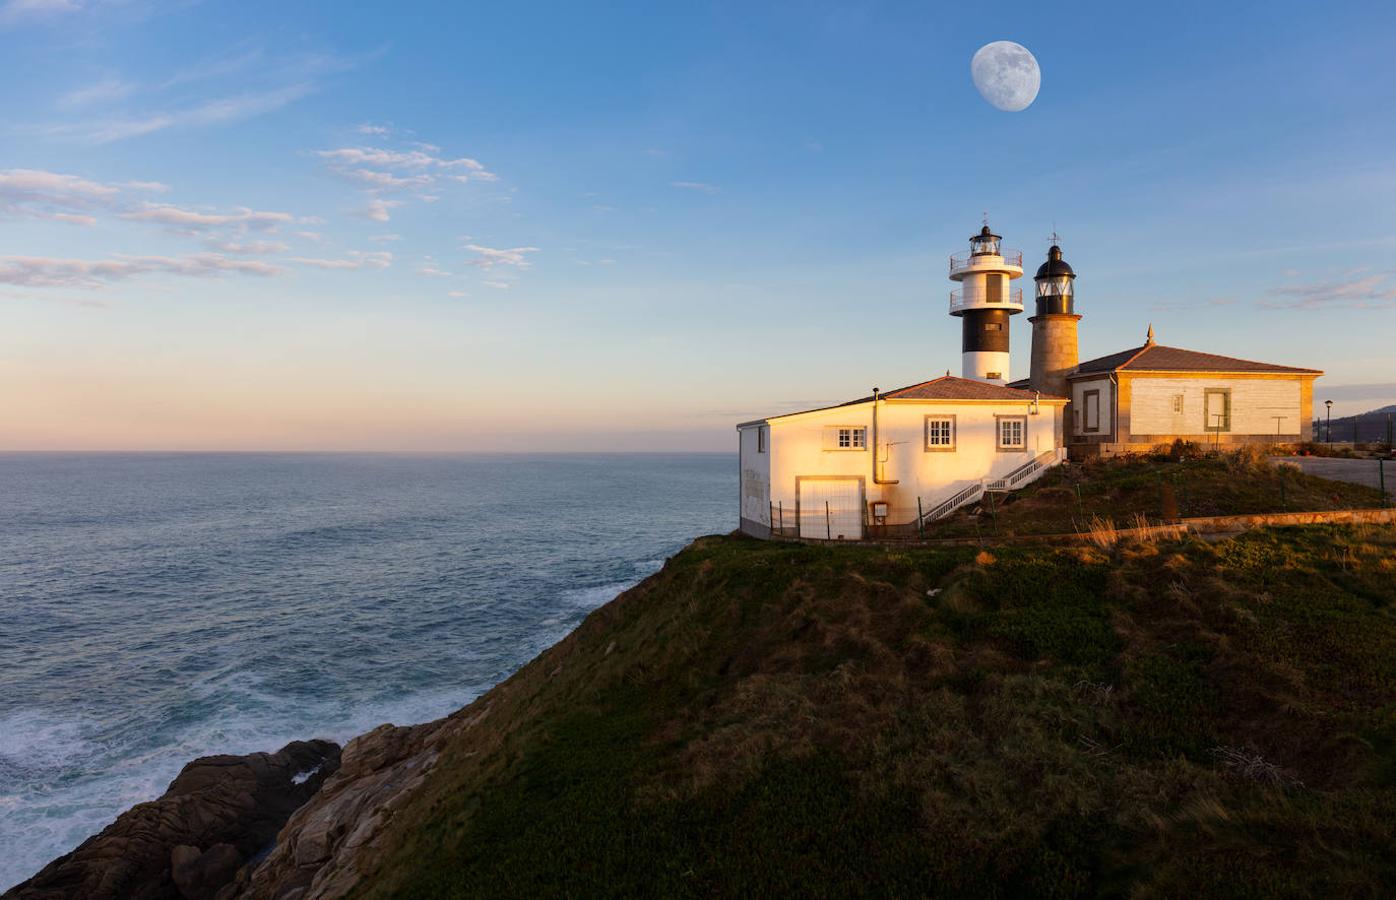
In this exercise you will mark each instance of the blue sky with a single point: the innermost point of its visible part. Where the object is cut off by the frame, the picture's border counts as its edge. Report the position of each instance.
(628, 226)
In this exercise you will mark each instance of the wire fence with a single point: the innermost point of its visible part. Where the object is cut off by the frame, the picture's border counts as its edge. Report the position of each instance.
(1079, 507)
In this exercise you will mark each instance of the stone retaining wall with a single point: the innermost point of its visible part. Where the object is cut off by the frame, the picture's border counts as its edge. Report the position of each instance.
(1201, 525)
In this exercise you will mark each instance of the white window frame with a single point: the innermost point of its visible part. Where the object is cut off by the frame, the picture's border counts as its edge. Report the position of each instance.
(761, 440)
(948, 444)
(1002, 425)
(846, 438)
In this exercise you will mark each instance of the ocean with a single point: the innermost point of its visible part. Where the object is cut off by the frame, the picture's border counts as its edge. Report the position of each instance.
(159, 607)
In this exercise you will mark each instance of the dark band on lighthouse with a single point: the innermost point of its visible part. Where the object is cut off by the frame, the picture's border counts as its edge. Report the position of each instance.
(985, 331)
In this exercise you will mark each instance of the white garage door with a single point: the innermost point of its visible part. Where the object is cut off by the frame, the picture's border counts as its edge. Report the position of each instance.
(831, 508)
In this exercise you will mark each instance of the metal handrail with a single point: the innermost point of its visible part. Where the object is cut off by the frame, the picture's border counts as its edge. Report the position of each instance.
(954, 502)
(958, 301)
(1023, 471)
(961, 261)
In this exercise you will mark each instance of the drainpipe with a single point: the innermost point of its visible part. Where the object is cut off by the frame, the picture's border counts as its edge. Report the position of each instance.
(877, 477)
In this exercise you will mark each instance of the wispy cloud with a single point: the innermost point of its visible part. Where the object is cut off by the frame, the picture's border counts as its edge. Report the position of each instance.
(380, 210)
(107, 90)
(248, 248)
(1368, 292)
(217, 111)
(373, 130)
(194, 221)
(355, 260)
(489, 257)
(42, 271)
(411, 160)
(226, 88)
(23, 12)
(39, 194)
(699, 186)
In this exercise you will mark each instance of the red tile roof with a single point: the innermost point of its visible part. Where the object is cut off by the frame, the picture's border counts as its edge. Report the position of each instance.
(1157, 358)
(949, 387)
(946, 387)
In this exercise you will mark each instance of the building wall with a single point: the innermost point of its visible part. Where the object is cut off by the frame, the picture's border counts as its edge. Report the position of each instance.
(1145, 413)
(1255, 402)
(799, 449)
(1105, 394)
(755, 481)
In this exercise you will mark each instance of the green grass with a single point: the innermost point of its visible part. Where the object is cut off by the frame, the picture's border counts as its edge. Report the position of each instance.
(764, 719)
(1069, 497)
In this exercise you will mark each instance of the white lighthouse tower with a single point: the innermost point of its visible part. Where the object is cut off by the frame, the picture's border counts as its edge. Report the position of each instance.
(984, 302)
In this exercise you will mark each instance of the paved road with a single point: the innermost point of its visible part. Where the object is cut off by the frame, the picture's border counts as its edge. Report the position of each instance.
(1357, 471)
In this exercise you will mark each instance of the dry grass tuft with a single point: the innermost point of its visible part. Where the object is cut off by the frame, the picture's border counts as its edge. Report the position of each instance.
(1253, 767)
(1102, 532)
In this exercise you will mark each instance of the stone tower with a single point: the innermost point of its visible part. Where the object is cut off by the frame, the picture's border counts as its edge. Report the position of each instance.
(984, 303)
(1055, 353)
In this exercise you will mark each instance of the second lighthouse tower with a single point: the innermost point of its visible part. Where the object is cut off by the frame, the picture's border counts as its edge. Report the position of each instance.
(984, 301)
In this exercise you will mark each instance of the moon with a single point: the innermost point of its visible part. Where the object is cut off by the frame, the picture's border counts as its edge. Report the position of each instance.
(1006, 75)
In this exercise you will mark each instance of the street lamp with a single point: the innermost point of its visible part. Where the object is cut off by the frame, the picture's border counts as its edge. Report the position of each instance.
(1329, 404)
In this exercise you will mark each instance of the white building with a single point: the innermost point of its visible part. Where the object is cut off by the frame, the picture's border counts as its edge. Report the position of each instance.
(895, 460)
(853, 470)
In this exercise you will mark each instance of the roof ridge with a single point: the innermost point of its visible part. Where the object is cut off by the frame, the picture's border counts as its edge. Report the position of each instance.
(918, 384)
(1254, 362)
(1138, 353)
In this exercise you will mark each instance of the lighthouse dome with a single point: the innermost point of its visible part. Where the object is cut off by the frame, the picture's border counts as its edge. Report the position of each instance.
(1055, 266)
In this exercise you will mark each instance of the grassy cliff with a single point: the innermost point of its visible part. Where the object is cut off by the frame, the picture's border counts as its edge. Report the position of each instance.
(1151, 720)
(1125, 490)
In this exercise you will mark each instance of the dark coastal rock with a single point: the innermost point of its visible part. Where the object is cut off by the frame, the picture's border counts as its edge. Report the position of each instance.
(328, 844)
(215, 816)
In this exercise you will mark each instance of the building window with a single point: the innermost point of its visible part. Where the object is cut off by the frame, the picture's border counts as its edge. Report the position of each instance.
(1090, 417)
(1013, 432)
(845, 437)
(761, 439)
(994, 376)
(1177, 403)
(1216, 407)
(940, 432)
(993, 326)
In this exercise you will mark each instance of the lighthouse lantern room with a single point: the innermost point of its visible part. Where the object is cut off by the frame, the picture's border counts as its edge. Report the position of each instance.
(984, 302)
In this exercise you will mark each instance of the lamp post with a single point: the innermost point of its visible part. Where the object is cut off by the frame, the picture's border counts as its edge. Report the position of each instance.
(1329, 404)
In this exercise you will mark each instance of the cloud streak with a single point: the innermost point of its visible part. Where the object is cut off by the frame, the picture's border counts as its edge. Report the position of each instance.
(48, 272)
(489, 257)
(1368, 292)
(38, 194)
(699, 186)
(355, 260)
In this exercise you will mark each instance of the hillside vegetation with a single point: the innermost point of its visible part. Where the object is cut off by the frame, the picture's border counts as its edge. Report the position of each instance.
(1125, 489)
(1151, 720)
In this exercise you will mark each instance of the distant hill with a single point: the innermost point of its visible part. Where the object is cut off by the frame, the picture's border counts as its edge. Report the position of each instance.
(1368, 426)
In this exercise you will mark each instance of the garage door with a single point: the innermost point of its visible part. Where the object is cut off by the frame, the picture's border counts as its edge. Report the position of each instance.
(831, 508)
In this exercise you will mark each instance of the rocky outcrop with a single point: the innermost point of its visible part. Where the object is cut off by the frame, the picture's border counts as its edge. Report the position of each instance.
(219, 813)
(325, 847)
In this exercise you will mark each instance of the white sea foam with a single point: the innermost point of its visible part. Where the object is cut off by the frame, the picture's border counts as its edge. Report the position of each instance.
(59, 805)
